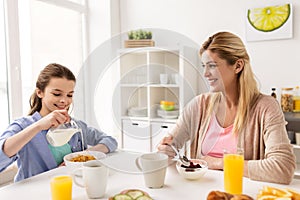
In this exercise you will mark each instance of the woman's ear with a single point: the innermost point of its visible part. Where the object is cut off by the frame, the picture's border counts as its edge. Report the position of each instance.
(39, 93)
(239, 66)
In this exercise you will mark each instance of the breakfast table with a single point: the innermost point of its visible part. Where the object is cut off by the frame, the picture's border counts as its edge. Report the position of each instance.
(123, 175)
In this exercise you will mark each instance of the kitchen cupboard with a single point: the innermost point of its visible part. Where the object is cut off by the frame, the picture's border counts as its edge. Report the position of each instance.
(142, 121)
(293, 124)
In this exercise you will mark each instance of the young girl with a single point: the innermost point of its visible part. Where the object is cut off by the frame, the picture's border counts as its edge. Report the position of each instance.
(25, 141)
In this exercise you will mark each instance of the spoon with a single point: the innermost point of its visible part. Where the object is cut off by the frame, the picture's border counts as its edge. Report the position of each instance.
(184, 160)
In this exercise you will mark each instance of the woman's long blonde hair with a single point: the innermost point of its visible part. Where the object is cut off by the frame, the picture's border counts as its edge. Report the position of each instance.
(231, 48)
(52, 70)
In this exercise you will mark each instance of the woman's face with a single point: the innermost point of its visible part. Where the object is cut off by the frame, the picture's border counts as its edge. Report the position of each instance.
(219, 74)
(58, 95)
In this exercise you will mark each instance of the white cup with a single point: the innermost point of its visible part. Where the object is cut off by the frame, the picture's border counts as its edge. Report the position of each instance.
(297, 135)
(154, 167)
(175, 79)
(163, 78)
(94, 176)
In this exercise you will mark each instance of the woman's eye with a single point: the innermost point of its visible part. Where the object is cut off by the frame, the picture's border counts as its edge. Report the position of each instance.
(70, 95)
(56, 94)
(212, 66)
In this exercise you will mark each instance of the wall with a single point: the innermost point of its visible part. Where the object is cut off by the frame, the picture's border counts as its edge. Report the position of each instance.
(275, 62)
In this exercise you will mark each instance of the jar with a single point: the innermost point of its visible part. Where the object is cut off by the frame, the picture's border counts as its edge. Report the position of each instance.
(287, 99)
(296, 99)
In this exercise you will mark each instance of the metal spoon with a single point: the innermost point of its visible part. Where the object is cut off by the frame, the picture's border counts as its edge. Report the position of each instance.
(184, 160)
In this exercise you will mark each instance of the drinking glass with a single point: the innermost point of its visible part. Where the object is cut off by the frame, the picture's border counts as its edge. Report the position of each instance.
(62, 134)
(61, 188)
(233, 171)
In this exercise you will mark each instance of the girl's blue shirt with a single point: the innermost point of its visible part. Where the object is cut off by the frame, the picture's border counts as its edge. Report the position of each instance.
(36, 157)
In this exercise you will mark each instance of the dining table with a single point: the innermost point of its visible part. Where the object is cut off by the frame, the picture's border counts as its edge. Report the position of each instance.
(124, 175)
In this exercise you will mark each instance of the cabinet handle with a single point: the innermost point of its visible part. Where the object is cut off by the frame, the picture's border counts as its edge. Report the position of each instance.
(164, 126)
(135, 124)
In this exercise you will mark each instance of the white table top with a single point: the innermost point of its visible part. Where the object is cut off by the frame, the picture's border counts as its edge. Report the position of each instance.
(176, 187)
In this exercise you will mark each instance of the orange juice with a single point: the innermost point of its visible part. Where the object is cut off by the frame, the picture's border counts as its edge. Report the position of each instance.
(61, 188)
(233, 173)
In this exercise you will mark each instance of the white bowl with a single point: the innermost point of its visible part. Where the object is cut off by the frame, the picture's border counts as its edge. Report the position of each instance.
(192, 173)
(74, 165)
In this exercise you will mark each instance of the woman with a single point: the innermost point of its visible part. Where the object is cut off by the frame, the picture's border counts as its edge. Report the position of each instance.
(234, 114)
(25, 141)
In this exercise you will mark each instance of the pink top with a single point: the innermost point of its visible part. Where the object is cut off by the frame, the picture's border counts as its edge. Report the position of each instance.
(217, 139)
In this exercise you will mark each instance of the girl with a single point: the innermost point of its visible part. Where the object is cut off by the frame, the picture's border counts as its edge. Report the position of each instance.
(25, 141)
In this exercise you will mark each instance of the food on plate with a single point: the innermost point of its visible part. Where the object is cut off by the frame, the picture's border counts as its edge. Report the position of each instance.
(218, 195)
(82, 158)
(272, 193)
(132, 194)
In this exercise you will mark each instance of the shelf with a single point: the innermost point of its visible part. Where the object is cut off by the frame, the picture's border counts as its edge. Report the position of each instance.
(140, 85)
(135, 85)
(295, 146)
(164, 85)
(291, 116)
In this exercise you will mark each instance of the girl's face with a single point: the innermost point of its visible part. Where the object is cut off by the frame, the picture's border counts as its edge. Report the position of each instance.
(220, 75)
(58, 95)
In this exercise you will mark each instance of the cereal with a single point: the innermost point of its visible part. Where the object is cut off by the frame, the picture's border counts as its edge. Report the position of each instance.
(82, 158)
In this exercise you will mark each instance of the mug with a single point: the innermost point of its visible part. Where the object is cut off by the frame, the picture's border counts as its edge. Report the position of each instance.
(233, 171)
(163, 78)
(94, 176)
(61, 188)
(153, 166)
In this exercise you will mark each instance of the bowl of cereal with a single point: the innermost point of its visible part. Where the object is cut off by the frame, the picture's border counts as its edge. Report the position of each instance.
(76, 159)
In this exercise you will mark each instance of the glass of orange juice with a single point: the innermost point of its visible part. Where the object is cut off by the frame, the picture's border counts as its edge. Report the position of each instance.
(61, 188)
(233, 171)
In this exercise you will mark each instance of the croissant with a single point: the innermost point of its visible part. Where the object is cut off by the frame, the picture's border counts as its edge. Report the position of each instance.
(218, 195)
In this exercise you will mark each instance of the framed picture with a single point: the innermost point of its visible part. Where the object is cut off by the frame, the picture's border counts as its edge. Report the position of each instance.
(269, 23)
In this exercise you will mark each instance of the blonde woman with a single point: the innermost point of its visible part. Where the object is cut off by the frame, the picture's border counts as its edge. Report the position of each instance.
(234, 114)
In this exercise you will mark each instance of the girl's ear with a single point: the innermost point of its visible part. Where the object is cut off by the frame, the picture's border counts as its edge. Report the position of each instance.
(39, 93)
(239, 66)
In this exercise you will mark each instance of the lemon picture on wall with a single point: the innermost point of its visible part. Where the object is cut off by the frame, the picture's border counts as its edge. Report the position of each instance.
(269, 18)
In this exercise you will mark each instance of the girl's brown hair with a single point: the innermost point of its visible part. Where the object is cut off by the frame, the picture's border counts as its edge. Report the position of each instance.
(52, 70)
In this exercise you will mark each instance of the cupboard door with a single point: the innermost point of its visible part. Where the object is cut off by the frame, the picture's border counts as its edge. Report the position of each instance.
(136, 135)
(158, 131)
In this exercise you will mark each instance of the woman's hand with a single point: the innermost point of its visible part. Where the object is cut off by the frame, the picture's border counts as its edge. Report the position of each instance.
(54, 119)
(213, 163)
(164, 146)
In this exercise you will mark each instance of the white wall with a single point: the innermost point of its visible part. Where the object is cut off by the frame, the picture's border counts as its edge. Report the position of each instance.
(275, 63)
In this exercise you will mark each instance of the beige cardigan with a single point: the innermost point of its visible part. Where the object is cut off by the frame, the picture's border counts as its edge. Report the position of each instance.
(264, 139)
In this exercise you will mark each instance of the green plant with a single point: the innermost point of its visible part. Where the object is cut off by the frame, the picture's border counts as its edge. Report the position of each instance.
(139, 35)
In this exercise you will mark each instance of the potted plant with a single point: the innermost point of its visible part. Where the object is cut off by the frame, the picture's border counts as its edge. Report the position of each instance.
(139, 38)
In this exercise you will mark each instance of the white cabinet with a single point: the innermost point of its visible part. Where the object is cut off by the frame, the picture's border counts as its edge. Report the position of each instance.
(158, 131)
(140, 90)
(136, 135)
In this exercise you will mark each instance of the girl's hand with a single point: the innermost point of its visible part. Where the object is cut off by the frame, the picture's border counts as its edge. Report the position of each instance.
(54, 119)
(164, 146)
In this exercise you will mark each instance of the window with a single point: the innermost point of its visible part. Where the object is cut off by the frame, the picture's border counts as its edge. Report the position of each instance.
(50, 31)
(4, 114)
